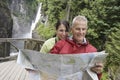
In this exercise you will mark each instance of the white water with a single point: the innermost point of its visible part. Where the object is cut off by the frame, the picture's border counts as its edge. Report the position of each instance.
(22, 29)
(34, 23)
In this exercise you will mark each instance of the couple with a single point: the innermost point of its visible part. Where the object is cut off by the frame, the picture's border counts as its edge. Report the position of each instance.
(62, 44)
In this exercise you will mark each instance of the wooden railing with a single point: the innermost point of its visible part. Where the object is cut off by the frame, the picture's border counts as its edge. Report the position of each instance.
(32, 44)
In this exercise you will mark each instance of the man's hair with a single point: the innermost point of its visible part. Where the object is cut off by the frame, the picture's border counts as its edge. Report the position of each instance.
(79, 18)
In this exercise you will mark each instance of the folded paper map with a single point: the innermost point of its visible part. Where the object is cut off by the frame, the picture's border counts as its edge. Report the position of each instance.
(61, 66)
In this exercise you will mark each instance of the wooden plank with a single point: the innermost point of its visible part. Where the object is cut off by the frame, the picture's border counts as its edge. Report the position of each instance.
(17, 72)
(9, 72)
(23, 39)
(12, 71)
(21, 70)
(4, 67)
(5, 70)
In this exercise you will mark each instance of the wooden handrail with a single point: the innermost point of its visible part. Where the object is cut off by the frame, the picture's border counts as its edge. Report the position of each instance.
(27, 42)
(25, 39)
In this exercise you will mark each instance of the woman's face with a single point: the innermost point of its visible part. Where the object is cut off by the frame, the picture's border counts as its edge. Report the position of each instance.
(61, 32)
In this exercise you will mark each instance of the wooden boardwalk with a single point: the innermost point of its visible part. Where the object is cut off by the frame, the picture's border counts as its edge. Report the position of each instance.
(10, 70)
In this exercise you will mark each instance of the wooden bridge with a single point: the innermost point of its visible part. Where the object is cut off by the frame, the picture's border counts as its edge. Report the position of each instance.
(9, 69)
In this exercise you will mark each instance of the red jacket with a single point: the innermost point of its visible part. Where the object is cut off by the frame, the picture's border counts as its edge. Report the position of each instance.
(70, 47)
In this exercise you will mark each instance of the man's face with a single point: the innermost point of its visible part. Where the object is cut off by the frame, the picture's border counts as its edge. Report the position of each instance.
(79, 31)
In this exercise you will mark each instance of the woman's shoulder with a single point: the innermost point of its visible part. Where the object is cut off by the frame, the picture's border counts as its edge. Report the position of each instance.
(50, 40)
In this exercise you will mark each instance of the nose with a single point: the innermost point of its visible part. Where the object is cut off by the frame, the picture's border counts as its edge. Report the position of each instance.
(80, 31)
(64, 33)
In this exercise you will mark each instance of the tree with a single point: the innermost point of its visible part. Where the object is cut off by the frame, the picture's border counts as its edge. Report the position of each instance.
(113, 43)
(113, 48)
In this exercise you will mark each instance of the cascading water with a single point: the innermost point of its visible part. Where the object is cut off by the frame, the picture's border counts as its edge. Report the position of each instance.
(38, 16)
(21, 26)
(25, 32)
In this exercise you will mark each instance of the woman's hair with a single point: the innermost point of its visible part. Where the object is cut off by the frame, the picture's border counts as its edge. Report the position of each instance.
(65, 23)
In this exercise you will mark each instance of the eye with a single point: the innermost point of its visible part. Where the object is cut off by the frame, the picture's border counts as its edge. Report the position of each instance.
(61, 30)
(83, 29)
(77, 28)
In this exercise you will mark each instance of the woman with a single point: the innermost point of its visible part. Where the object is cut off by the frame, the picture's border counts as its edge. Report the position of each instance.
(62, 32)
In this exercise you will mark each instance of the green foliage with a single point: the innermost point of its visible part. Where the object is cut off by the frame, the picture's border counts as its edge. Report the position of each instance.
(45, 32)
(32, 7)
(105, 76)
(102, 16)
(55, 9)
(113, 48)
(113, 40)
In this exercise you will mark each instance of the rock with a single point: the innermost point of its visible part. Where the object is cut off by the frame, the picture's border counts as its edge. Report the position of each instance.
(6, 24)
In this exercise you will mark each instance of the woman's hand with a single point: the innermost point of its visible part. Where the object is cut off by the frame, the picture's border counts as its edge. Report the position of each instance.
(98, 68)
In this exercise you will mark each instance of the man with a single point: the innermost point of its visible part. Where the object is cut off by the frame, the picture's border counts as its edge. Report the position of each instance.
(77, 43)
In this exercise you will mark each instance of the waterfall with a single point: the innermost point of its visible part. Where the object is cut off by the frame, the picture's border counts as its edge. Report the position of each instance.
(22, 28)
(34, 23)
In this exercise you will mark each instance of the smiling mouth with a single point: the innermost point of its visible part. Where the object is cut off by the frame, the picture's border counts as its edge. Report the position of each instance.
(79, 35)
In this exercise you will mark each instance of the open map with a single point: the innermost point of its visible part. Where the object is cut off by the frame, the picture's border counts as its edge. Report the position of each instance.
(61, 67)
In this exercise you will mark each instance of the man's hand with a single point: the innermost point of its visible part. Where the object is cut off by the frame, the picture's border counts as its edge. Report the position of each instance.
(97, 68)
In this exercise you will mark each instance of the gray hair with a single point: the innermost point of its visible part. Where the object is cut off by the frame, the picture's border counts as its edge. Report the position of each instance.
(78, 19)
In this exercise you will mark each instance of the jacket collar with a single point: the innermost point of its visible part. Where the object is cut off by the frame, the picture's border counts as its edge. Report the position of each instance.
(70, 40)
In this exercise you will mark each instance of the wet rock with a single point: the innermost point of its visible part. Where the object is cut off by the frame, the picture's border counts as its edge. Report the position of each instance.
(6, 25)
